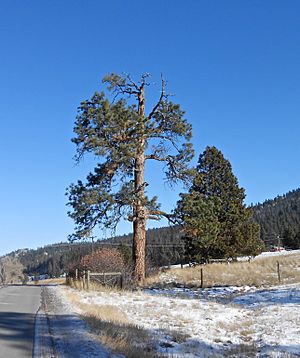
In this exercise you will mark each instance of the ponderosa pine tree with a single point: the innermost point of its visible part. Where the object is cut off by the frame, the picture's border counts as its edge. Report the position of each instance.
(215, 219)
(124, 137)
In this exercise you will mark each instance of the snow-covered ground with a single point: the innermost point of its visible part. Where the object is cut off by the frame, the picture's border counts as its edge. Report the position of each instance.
(217, 322)
(277, 253)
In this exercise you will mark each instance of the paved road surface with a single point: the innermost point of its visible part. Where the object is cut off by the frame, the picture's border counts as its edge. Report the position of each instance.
(18, 306)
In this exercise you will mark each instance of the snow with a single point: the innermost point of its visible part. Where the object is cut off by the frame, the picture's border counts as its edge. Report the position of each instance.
(213, 322)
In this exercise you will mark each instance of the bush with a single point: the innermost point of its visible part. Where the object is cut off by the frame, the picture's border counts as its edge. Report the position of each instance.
(103, 260)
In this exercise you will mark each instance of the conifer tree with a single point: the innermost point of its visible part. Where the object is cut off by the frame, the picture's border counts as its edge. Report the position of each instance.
(215, 219)
(119, 131)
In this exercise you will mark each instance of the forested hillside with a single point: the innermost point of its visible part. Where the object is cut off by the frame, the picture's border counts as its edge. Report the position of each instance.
(280, 217)
(163, 248)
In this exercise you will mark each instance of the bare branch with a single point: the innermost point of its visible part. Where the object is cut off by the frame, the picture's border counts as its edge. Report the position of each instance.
(168, 139)
(133, 84)
(155, 157)
(156, 214)
(151, 217)
(162, 96)
(144, 77)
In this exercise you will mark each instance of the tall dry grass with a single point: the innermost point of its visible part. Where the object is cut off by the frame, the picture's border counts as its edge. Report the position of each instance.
(93, 286)
(258, 272)
(50, 281)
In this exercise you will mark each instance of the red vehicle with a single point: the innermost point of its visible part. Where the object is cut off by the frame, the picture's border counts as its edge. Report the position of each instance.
(276, 248)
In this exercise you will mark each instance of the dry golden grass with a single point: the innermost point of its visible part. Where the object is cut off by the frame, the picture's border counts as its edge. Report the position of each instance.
(49, 281)
(114, 329)
(93, 286)
(258, 272)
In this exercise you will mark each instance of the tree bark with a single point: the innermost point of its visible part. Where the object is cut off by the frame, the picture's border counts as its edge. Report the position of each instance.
(139, 224)
(139, 210)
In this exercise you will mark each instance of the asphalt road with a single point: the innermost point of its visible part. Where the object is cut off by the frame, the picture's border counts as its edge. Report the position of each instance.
(18, 307)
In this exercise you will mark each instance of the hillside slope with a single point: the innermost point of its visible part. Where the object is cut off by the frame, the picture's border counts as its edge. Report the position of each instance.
(280, 217)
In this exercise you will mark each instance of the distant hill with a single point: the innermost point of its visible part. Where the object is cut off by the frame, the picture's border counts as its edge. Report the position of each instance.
(280, 218)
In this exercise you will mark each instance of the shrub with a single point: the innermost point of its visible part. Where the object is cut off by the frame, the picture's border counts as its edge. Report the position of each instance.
(103, 260)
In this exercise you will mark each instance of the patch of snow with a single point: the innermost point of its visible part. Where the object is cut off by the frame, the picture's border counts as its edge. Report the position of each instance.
(276, 253)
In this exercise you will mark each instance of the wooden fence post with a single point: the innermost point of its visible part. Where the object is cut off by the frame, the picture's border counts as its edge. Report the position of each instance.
(77, 279)
(121, 282)
(278, 271)
(83, 280)
(88, 280)
(201, 277)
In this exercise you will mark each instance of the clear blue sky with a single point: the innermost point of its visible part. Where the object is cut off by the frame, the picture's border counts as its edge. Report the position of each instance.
(234, 66)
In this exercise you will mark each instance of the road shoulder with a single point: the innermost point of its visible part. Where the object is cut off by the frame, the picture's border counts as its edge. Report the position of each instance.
(64, 330)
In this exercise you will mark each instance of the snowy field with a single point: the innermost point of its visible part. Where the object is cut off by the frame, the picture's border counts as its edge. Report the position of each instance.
(216, 322)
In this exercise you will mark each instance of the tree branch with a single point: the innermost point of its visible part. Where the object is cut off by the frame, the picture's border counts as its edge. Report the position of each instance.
(155, 157)
(156, 214)
(168, 138)
(162, 95)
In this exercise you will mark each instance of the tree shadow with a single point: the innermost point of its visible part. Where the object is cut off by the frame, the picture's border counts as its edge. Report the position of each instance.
(261, 298)
(16, 333)
(261, 350)
(250, 300)
(281, 351)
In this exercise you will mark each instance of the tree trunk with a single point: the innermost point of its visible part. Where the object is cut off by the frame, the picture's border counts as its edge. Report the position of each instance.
(139, 224)
(139, 210)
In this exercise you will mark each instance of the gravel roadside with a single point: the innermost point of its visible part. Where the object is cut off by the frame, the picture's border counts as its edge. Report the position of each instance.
(70, 336)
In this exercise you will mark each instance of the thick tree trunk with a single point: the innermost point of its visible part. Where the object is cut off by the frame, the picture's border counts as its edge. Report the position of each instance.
(139, 210)
(139, 224)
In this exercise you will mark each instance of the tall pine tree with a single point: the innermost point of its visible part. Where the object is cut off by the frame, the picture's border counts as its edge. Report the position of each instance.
(215, 219)
(124, 136)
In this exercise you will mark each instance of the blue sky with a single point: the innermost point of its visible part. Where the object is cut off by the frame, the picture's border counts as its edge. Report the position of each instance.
(232, 65)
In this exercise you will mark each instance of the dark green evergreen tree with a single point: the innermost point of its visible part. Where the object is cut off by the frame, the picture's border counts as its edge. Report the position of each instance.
(290, 239)
(215, 219)
(124, 136)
